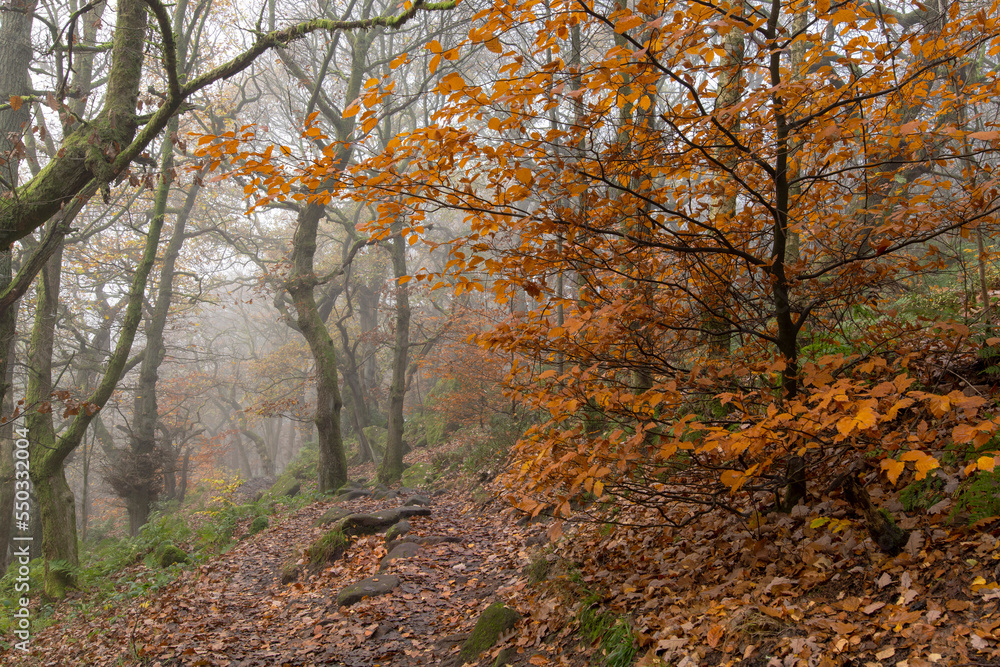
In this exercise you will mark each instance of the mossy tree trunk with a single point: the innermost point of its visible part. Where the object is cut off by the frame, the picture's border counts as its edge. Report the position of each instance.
(15, 58)
(391, 468)
(49, 451)
(145, 412)
(300, 286)
(303, 281)
(58, 516)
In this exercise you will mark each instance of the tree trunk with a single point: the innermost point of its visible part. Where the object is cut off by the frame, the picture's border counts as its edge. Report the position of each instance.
(138, 506)
(260, 446)
(15, 58)
(48, 453)
(58, 514)
(889, 537)
(183, 483)
(359, 413)
(332, 458)
(301, 286)
(58, 517)
(391, 468)
(8, 336)
(169, 462)
(368, 310)
(145, 415)
(88, 456)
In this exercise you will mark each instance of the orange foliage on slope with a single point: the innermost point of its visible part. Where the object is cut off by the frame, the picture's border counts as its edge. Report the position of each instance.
(688, 193)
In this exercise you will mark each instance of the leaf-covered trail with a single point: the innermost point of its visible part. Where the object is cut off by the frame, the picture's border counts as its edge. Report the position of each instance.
(234, 611)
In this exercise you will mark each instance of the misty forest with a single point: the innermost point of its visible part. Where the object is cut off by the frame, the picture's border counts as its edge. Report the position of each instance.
(585, 333)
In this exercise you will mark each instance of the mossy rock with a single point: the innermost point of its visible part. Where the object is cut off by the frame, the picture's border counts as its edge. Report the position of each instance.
(404, 550)
(418, 475)
(289, 572)
(398, 529)
(367, 588)
(286, 487)
(259, 524)
(171, 554)
(505, 657)
(335, 513)
(417, 500)
(331, 546)
(493, 622)
(351, 485)
(352, 494)
(376, 522)
(538, 569)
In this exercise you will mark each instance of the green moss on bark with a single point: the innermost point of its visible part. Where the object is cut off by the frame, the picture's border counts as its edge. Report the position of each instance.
(491, 624)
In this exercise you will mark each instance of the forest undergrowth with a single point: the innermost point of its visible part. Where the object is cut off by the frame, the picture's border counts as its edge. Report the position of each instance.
(781, 589)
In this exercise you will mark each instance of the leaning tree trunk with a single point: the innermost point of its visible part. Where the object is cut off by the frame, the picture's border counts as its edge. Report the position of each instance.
(143, 435)
(48, 452)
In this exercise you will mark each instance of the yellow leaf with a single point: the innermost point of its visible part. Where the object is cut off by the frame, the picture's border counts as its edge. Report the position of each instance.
(924, 462)
(435, 61)
(939, 405)
(962, 434)
(732, 478)
(627, 23)
(352, 110)
(16, 102)
(494, 45)
(864, 419)
(986, 463)
(405, 279)
(523, 174)
(398, 60)
(893, 469)
(924, 466)
(598, 488)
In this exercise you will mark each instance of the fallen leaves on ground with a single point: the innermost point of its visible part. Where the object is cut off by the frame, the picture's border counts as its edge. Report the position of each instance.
(789, 591)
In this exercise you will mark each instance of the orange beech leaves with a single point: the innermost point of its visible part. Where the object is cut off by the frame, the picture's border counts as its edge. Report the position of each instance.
(694, 199)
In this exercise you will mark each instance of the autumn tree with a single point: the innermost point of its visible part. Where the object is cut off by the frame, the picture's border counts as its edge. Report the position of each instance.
(362, 63)
(747, 173)
(90, 157)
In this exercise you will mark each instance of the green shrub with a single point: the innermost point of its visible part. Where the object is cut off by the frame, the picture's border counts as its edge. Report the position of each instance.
(615, 634)
(171, 554)
(305, 465)
(922, 494)
(979, 496)
(258, 524)
(329, 547)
